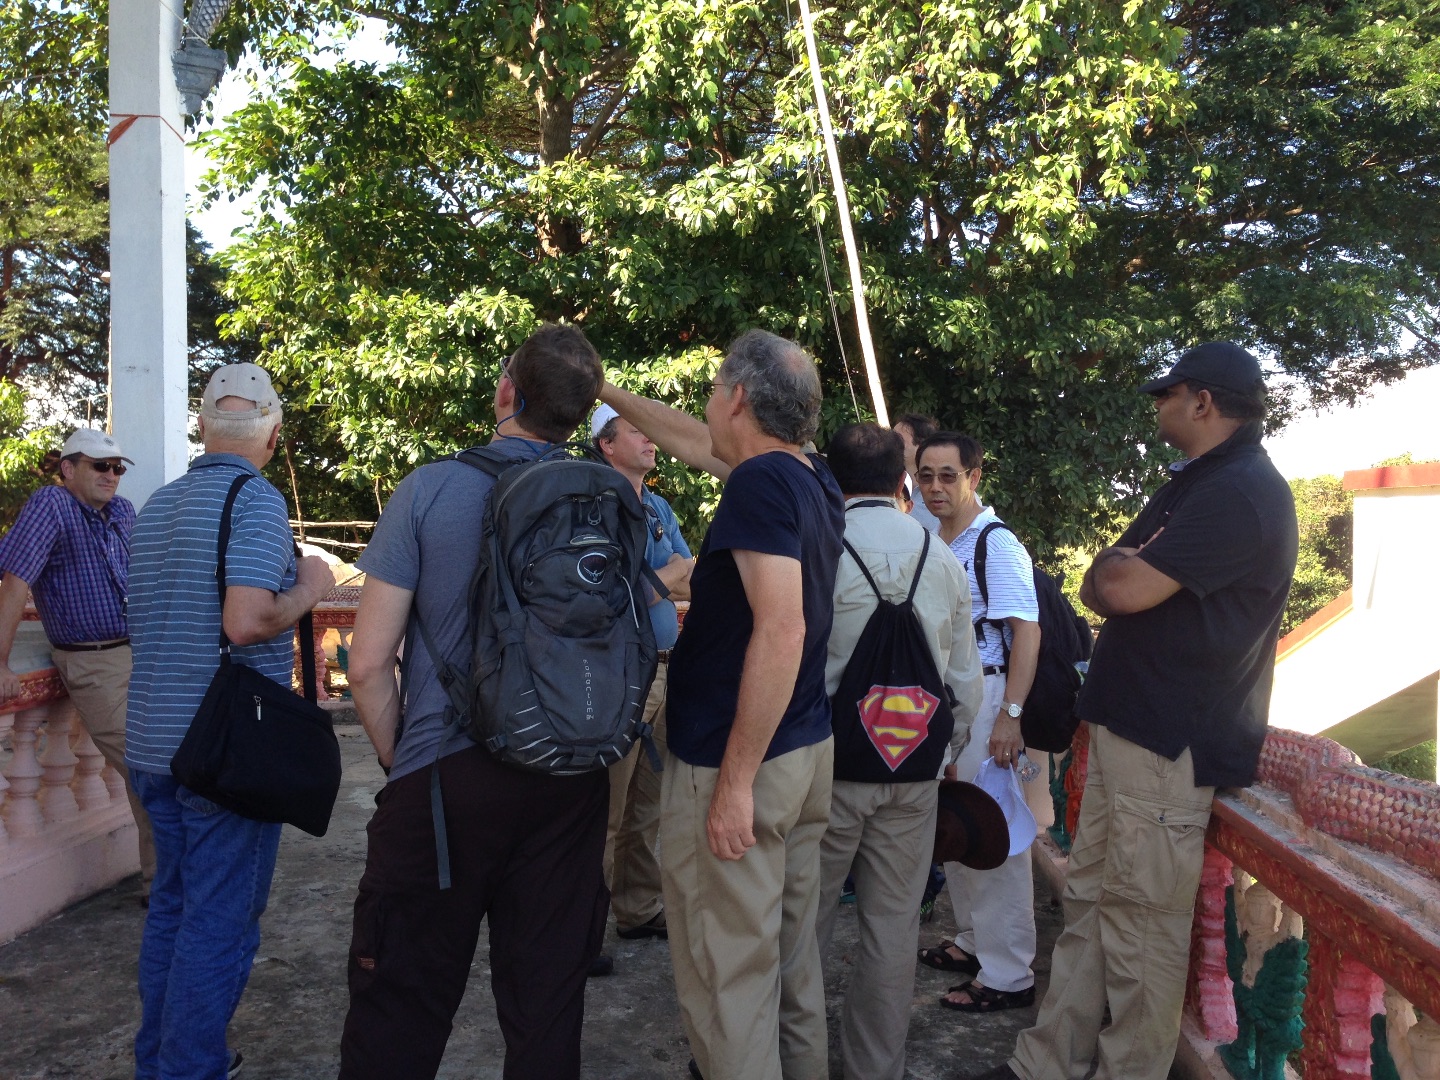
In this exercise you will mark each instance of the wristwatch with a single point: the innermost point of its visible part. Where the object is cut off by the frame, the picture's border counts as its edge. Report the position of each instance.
(1011, 710)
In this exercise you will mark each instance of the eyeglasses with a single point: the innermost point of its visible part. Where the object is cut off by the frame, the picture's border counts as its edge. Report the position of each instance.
(106, 466)
(945, 476)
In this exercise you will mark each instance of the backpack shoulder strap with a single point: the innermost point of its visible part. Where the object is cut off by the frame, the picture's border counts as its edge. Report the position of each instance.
(865, 570)
(919, 567)
(981, 546)
(486, 460)
(444, 671)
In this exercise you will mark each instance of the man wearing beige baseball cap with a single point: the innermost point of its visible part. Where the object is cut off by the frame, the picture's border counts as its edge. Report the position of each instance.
(70, 546)
(214, 867)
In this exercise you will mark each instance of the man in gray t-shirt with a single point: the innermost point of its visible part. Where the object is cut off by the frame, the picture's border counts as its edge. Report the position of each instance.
(525, 847)
(434, 519)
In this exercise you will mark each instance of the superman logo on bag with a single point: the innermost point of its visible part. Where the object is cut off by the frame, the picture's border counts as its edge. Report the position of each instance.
(897, 719)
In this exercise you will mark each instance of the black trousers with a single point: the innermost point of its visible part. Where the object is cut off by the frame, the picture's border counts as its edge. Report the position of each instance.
(525, 853)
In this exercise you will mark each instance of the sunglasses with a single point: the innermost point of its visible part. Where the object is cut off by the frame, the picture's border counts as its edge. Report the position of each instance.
(106, 466)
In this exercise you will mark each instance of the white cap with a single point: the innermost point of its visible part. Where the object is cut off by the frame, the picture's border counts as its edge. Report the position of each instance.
(1003, 785)
(247, 381)
(93, 444)
(603, 415)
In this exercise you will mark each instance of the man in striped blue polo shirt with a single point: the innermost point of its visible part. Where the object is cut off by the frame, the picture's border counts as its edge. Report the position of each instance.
(213, 868)
(70, 546)
(994, 909)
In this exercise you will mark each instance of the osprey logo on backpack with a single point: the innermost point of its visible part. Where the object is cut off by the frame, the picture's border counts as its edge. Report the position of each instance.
(592, 567)
(897, 719)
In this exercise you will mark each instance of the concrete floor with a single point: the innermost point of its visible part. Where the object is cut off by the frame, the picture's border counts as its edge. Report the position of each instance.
(68, 1006)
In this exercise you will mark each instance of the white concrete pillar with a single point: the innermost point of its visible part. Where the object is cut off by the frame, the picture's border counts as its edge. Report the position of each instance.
(148, 350)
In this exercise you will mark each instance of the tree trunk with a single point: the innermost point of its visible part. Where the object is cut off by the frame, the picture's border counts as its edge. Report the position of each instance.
(559, 235)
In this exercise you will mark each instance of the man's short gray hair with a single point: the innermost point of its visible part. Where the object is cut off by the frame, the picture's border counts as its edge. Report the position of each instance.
(241, 429)
(780, 382)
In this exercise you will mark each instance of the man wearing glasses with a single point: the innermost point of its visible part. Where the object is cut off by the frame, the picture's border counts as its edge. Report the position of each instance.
(70, 546)
(631, 869)
(994, 945)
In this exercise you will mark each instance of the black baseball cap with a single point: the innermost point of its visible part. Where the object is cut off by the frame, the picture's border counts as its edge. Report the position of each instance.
(1218, 363)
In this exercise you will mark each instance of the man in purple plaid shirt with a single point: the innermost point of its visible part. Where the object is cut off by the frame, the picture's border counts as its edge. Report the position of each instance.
(70, 546)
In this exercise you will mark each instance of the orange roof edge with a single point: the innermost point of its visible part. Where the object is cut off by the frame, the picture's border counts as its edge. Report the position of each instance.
(1393, 476)
(1314, 624)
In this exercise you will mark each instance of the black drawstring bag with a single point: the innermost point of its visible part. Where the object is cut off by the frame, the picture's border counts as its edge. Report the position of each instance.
(255, 747)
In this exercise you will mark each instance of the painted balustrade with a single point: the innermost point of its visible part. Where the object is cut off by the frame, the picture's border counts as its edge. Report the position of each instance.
(1353, 852)
(66, 830)
(336, 612)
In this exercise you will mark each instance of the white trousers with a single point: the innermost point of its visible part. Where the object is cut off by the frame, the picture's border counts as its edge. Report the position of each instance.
(994, 909)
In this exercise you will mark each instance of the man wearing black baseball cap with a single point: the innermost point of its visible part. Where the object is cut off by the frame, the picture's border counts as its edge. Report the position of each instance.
(1177, 699)
(1220, 364)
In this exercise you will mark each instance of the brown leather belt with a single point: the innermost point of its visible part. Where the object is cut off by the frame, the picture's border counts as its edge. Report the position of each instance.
(664, 656)
(101, 647)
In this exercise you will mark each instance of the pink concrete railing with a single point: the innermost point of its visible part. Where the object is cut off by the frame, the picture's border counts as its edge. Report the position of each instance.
(335, 612)
(1355, 853)
(66, 830)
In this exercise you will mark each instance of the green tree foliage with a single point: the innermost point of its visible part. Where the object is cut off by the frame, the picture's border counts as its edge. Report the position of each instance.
(1417, 762)
(22, 451)
(1050, 199)
(55, 214)
(54, 254)
(1324, 511)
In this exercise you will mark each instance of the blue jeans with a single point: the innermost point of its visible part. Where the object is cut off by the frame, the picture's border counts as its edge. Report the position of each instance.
(212, 880)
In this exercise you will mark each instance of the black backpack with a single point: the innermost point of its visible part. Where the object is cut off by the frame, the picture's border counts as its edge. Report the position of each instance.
(563, 650)
(891, 713)
(1049, 720)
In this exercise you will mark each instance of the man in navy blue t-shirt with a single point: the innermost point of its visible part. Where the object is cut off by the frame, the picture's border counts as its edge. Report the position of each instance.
(746, 787)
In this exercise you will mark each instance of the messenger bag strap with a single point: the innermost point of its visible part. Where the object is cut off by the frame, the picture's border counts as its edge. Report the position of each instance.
(306, 627)
(221, 544)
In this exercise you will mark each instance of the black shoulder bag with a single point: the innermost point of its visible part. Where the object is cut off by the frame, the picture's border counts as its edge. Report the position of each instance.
(255, 747)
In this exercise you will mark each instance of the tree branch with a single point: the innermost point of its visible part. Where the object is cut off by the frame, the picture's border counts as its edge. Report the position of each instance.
(601, 123)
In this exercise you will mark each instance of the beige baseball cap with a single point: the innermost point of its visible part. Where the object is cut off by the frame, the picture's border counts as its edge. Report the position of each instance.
(247, 381)
(93, 444)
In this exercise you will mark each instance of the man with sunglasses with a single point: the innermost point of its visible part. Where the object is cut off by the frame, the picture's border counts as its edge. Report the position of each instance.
(631, 869)
(994, 945)
(70, 546)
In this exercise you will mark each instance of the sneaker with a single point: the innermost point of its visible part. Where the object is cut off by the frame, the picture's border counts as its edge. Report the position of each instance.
(237, 1062)
(601, 966)
(847, 891)
(933, 885)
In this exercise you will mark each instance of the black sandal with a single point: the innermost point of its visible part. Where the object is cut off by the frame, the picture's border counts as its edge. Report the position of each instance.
(985, 1000)
(941, 959)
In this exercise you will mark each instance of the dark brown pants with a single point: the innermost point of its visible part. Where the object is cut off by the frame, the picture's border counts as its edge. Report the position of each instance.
(525, 852)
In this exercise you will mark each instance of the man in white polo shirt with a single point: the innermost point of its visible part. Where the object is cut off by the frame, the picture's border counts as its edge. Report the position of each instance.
(994, 909)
